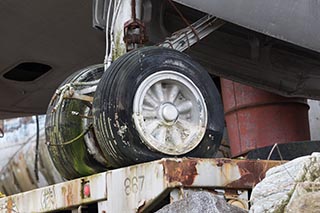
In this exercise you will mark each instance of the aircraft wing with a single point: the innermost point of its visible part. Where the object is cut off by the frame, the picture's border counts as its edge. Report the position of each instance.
(58, 34)
(272, 45)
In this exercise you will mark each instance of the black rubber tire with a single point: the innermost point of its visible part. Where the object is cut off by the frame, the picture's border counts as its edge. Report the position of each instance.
(113, 105)
(72, 160)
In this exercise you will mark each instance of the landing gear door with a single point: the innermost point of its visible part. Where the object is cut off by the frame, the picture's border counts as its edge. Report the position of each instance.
(101, 9)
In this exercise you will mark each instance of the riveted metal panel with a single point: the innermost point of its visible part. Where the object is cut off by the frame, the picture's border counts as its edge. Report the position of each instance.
(293, 21)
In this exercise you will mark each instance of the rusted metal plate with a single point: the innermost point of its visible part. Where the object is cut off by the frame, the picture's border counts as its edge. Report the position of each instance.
(216, 173)
(138, 188)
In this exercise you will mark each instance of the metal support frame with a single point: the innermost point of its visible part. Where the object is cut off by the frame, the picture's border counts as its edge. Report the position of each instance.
(180, 40)
(185, 38)
(140, 187)
(70, 91)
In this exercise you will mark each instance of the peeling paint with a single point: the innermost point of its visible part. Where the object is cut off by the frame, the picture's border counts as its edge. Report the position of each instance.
(252, 172)
(183, 171)
(122, 130)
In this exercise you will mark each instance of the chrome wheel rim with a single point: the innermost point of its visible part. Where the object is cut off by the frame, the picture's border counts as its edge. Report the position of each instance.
(169, 113)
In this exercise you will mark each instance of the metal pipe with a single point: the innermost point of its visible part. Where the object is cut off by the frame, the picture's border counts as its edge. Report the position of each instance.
(133, 10)
(138, 9)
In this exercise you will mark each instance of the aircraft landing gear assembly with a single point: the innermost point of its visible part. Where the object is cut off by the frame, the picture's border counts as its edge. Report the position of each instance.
(150, 103)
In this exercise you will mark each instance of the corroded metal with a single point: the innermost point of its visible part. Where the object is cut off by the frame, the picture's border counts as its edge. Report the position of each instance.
(140, 187)
(135, 34)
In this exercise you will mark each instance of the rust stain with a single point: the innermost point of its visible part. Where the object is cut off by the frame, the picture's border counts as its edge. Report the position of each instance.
(221, 161)
(9, 205)
(183, 171)
(68, 195)
(252, 172)
(63, 190)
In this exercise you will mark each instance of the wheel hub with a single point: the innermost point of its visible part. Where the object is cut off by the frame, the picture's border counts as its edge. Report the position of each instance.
(169, 112)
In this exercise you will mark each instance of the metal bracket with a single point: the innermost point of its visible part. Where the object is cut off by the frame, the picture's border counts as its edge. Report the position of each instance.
(68, 91)
(185, 38)
(135, 34)
(78, 96)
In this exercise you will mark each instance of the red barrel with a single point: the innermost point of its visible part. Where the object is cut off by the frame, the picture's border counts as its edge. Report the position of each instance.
(256, 118)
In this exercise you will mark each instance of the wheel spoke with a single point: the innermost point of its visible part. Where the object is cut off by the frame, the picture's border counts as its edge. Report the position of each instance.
(153, 96)
(152, 126)
(158, 91)
(149, 114)
(162, 135)
(185, 106)
(173, 93)
(150, 101)
(148, 108)
(184, 124)
(176, 135)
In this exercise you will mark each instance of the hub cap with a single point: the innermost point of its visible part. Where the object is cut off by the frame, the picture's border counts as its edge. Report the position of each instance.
(170, 113)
